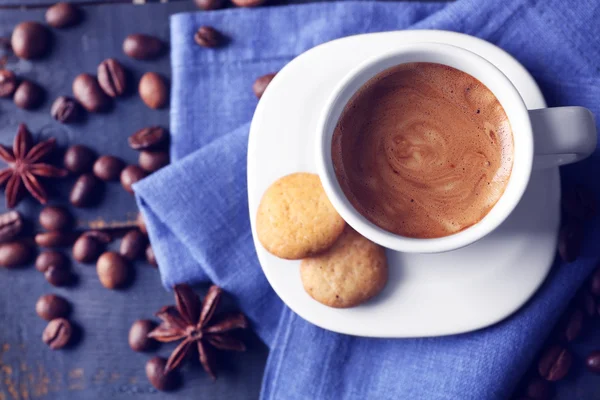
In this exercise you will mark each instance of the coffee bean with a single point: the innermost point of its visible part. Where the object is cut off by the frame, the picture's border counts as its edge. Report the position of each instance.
(58, 333)
(248, 3)
(571, 325)
(28, 95)
(207, 36)
(161, 380)
(11, 224)
(209, 4)
(569, 241)
(150, 257)
(87, 249)
(88, 93)
(133, 245)
(555, 363)
(63, 15)
(58, 276)
(585, 301)
(594, 282)
(79, 159)
(130, 175)
(51, 258)
(142, 47)
(8, 83)
(260, 85)
(15, 254)
(55, 218)
(108, 168)
(579, 202)
(138, 335)
(539, 389)
(153, 90)
(141, 224)
(65, 110)
(30, 40)
(51, 306)
(593, 362)
(113, 270)
(150, 138)
(84, 191)
(153, 160)
(101, 236)
(111, 77)
(54, 239)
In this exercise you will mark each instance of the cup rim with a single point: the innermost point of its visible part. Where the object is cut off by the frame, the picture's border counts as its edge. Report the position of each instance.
(470, 63)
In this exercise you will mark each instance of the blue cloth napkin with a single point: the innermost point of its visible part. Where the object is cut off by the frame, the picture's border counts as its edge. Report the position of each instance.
(197, 212)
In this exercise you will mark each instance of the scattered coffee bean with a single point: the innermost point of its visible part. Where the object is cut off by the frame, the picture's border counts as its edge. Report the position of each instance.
(153, 90)
(555, 363)
(30, 40)
(28, 95)
(55, 218)
(593, 362)
(260, 85)
(130, 175)
(64, 110)
(207, 36)
(51, 258)
(161, 380)
(153, 160)
(11, 224)
(15, 254)
(8, 83)
(111, 77)
(133, 244)
(84, 191)
(79, 159)
(62, 15)
(138, 335)
(87, 249)
(113, 270)
(571, 325)
(539, 389)
(579, 202)
(594, 281)
(141, 224)
(142, 47)
(58, 276)
(58, 333)
(88, 93)
(151, 138)
(209, 4)
(51, 306)
(54, 239)
(150, 257)
(248, 3)
(569, 241)
(101, 236)
(585, 301)
(108, 168)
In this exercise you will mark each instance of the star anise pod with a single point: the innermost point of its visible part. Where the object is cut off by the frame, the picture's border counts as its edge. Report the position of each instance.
(194, 322)
(25, 167)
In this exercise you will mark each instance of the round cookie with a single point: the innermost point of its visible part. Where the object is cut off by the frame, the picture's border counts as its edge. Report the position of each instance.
(350, 273)
(296, 219)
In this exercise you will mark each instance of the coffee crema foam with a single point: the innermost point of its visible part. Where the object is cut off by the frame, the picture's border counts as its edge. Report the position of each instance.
(423, 150)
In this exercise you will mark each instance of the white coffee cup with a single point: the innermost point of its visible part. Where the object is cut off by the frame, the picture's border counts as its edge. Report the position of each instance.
(561, 135)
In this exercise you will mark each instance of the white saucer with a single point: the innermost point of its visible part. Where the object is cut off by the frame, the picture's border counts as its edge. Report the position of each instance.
(427, 294)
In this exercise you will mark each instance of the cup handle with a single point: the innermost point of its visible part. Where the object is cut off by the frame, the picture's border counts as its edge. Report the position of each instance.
(562, 135)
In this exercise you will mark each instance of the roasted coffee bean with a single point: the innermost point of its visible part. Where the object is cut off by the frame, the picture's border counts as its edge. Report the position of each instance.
(51, 258)
(260, 85)
(55, 218)
(101, 236)
(63, 15)
(133, 244)
(539, 389)
(571, 325)
(58, 276)
(130, 175)
(87, 249)
(138, 335)
(579, 202)
(555, 363)
(11, 224)
(64, 110)
(248, 3)
(161, 380)
(150, 257)
(84, 191)
(79, 159)
(142, 47)
(209, 4)
(151, 138)
(108, 168)
(51, 306)
(153, 160)
(58, 333)
(111, 77)
(141, 223)
(593, 362)
(88, 93)
(569, 241)
(8, 83)
(153, 90)
(594, 281)
(28, 95)
(207, 36)
(15, 254)
(54, 239)
(585, 301)
(113, 270)
(30, 40)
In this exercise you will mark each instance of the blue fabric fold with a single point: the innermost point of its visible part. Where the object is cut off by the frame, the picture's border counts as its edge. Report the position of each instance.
(197, 212)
